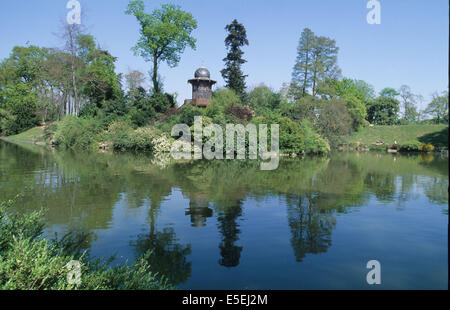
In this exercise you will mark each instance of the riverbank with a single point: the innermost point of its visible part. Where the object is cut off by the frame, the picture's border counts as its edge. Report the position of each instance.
(34, 135)
(380, 138)
(376, 138)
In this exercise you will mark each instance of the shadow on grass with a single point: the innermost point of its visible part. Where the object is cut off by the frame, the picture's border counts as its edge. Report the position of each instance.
(438, 138)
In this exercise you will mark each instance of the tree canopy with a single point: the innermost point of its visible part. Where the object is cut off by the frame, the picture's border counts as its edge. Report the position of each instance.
(164, 35)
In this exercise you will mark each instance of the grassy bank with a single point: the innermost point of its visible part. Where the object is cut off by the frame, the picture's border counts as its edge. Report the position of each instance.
(437, 135)
(33, 135)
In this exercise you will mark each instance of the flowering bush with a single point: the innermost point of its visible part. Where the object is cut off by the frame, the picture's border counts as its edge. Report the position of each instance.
(162, 144)
(427, 148)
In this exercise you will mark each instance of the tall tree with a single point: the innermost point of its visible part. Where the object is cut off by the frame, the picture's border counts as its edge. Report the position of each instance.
(324, 54)
(165, 34)
(232, 73)
(316, 61)
(301, 75)
(70, 35)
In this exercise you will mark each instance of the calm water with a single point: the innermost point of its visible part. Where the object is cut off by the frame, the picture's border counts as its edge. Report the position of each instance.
(312, 224)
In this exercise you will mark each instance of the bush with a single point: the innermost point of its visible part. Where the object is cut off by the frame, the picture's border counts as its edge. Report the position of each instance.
(120, 133)
(150, 139)
(314, 143)
(412, 146)
(291, 136)
(123, 138)
(297, 137)
(30, 262)
(7, 123)
(78, 133)
(188, 113)
(427, 148)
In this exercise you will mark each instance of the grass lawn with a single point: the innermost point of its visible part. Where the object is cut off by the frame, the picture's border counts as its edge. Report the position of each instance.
(436, 135)
(34, 135)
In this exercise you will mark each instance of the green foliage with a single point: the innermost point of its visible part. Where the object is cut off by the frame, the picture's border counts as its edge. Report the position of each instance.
(438, 107)
(411, 146)
(7, 123)
(124, 138)
(316, 62)
(19, 113)
(357, 111)
(296, 137)
(389, 92)
(165, 33)
(141, 110)
(120, 133)
(264, 101)
(383, 111)
(30, 262)
(314, 143)
(78, 133)
(292, 139)
(104, 83)
(162, 102)
(188, 113)
(223, 97)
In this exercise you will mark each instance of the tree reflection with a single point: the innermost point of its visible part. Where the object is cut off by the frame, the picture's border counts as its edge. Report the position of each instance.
(229, 228)
(311, 227)
(167, 257)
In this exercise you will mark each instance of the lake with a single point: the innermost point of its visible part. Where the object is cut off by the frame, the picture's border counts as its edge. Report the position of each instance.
(313, 223)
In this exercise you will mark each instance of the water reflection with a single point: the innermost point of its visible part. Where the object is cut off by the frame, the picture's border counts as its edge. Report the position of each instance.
(88, 192)
(311, 227)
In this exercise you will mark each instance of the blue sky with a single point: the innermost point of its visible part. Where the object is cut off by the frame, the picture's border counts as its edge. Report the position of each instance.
(410, 46)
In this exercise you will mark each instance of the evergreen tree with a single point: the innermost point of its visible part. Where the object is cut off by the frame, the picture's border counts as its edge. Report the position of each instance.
(232, 74)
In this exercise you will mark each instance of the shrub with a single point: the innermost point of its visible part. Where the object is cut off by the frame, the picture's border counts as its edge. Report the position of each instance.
(78, 133)
(427, 148)
(30, 262)
(188, 113)
(314, 143)
(297, 137)
(120, 133)
(7, 123)
(412, 146)
(291, 136)
(123, 138)
(150, 139)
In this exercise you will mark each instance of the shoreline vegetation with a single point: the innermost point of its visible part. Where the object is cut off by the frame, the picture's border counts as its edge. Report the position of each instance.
(31, 262)
(121, 137)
